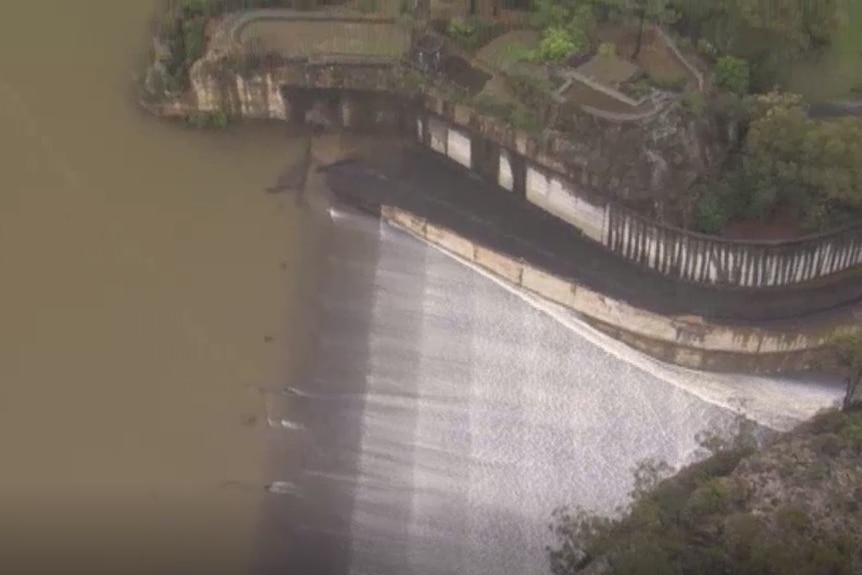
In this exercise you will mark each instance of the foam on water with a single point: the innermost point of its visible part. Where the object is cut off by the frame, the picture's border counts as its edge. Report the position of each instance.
(775, 402)
(484, 408)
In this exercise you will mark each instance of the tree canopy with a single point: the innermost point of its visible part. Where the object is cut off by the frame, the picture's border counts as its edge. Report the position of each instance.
(813, 167)
(789, 508)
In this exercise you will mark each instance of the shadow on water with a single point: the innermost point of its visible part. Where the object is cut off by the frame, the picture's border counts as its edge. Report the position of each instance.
(315, 424)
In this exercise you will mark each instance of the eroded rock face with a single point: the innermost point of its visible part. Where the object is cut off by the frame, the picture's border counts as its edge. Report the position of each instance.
(649, 165)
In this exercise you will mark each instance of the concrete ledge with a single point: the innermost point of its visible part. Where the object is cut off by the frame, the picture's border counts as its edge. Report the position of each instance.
(685, 341)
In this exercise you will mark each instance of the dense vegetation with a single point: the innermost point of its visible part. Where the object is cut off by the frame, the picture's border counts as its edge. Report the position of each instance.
(181, 27)
(782, 164)
(792, 508)
(781, 161)
(790, 162)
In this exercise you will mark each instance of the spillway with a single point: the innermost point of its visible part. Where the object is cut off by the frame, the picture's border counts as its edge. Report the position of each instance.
(443, 416)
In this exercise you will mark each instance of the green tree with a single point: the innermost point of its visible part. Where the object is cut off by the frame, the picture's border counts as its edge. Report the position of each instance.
(798, 25)
(733, 74)
(568, 27)
(700, 520)
(770, 35)
(556, 45)
(795, 162)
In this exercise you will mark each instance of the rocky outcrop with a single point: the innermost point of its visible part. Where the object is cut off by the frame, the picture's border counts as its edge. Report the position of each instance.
(651, 165)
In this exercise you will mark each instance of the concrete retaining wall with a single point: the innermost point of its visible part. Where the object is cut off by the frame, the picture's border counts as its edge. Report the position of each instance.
(672, 252)
(549, 191)
(451, 130)
(689, 342)
(361, 96)
(557, 196)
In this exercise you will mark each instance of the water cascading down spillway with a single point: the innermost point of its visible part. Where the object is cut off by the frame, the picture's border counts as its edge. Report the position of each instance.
(445, 416)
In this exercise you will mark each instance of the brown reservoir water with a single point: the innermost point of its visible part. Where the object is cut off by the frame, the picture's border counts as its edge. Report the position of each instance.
(146, 282)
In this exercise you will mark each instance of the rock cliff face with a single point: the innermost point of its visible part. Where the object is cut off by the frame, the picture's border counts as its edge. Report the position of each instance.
(650, 164)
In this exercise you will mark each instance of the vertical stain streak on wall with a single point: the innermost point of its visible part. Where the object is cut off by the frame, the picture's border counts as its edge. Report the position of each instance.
(716, 261)
(439, 135)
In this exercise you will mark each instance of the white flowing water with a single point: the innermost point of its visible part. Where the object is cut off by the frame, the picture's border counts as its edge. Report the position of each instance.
(478, 409)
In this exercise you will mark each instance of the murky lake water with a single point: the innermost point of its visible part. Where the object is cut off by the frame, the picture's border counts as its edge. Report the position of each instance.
(147, 288)
(141, 272)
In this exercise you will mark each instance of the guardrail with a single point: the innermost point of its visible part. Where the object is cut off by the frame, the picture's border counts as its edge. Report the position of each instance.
(707, 259)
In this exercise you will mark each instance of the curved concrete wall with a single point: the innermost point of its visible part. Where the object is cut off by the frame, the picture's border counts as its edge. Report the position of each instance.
(689, 342)
(457, 131)
(673, 252)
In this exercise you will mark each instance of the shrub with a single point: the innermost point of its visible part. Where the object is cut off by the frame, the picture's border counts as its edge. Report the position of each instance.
(828, 444)
(693, 101)
(673, 84)
(636, 89)
(707, 49)
(793, 519)
(715, 207)
(471, 33)
(709, 498)
(733, 74)
(567, 28)
(556, 45)
(460, 29)
(607, 49)
(852, 433)
(515, 115)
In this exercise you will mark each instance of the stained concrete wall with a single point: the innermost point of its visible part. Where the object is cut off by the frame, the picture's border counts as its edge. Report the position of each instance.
(525, 171)
(551, 192)
(690, 342)
(557, 196)
(678, 253)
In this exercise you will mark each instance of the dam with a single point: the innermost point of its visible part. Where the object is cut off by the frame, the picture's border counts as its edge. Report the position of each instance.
(442, 416)
(149, 285)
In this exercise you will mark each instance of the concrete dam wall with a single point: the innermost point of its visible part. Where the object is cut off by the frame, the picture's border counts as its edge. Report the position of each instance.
(744, 279)
(697, 346)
